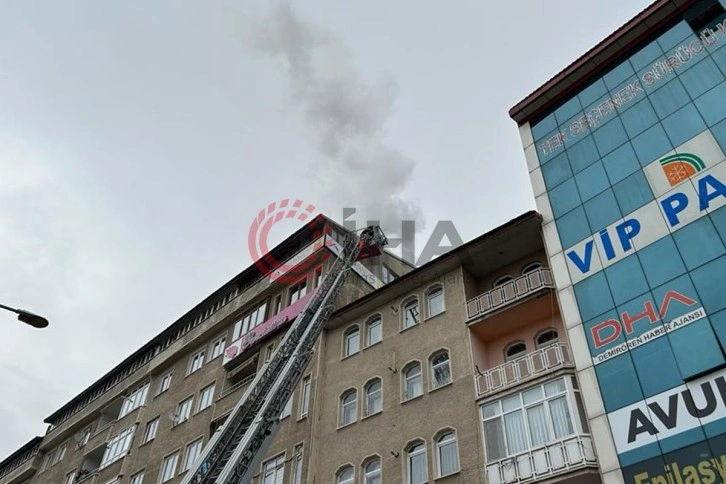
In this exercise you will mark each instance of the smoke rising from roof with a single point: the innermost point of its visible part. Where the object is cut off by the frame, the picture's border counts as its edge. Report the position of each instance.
(347, 117)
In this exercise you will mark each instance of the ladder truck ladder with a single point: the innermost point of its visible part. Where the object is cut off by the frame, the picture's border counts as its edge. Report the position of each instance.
(237, 448)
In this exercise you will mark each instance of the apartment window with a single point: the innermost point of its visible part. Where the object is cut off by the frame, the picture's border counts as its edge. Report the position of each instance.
(194, 450)
(85, 436)
(374, 330)
(70, 478)
(269, 351)
(183, 411)
(348, 410)
(503, 280)
(134, 401)
(297, 464)
(546, 338)
(59, 454)
(277, 304)
(287, 409)
(274, 471)
(374, 397)
(249, 320)
(416, 468)
(412, 381)
(317, 277)
(410, 313)
(195, 362)
(150, 430)
(217, 348)
(387, 275)
(515, 350)
(351, 341)
(529, 419)
(531, 267)
(137, 478)
(168, 467)
(206, 396)
(447, 454)
(372, 471)
(298, 291)
(435, 301)
(165, 382)
(117, 447)
(346, 475)
(440, 369)
(305, 397)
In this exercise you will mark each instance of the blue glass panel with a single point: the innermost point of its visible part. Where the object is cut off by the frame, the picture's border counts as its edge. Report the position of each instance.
(618, 75)
(719, 57)
(712, 106)
(654, 77)
(671, 305)
(542, 128)
(661, 261)
(669, 98)
(645, 56)
(719, 132)
(718, 323)
(656, 354)
(627, 94)
(621, 163)
(698, 349)
(651, 144)
(639, 118)
(576, 127)
(619, 383)
(675, 36)
(698, 243)
(567, 110)
(708, 280)
(602, 210)
(609, 136)
(592, 93)
(583, 154)
(601, 334)
(718, 218)
(548, 146)
(681, 440)
(633, 192)
(626, 279)
(564, 198)
(701, 77)
(684, 124)
(573, 227)
(556, 170)
(593, 296)
(591, 181)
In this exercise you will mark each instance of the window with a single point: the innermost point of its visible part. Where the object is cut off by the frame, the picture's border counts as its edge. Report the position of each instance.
(274, 471)
(59, 454)
(85, 435)
(317, 277)
(287, 409)
(168, 467)
(134, 401)
(546, 338)
(410, 313)
(249, 320)
(70, 478)
(435, 301)
(137, 478)
(440, 369)
(297, 464)
(412, 381)
(305, 397)
(277, 304)
(372, 471)
(297, 291)
(374, 397)
(346, 475)
(515, 350)
(117, 447)
(374, 330)
(195, 362)
(165, 382)
(217, 348)
(194, 450)
(150, 430)
(269, 351)
(530, 419)
(206, 396)
(348, 410)
(447, 454)
(531, 267)
(416, 468)
(351, 341)
(387, 275)
(503, 280)
(183, 411)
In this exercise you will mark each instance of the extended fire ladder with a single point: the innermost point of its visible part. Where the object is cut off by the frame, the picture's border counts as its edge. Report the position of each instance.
(237, 448)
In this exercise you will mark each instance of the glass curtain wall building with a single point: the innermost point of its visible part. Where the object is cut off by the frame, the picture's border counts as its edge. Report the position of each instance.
(628, 164)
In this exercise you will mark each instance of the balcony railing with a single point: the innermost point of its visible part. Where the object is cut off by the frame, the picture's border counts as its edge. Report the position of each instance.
(529, 366)
(23, 467)
(550, 460)
(509, 292)
(237, 386)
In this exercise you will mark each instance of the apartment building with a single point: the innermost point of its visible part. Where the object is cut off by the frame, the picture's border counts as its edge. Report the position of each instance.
(456, 372)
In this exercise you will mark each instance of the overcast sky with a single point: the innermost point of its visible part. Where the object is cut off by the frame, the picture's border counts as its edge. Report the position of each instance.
(138, 139)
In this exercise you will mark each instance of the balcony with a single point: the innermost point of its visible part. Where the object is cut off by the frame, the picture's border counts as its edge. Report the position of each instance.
(528, 367)
(228, 391)
(509, 293)
(22, 468)
(556, 458)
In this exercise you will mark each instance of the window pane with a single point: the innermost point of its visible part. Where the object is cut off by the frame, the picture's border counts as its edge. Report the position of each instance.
(515, 431)
(374, 331)
(537, 421)
(561, 420)
(494, 440)
(436, 302)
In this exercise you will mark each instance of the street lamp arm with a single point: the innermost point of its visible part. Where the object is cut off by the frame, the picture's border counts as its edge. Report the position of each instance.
(27, 317)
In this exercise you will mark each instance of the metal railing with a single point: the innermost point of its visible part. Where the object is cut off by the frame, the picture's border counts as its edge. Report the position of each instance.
(237, 386)
(509, 292)
(549, 460)
(529, 366)
(29, 459)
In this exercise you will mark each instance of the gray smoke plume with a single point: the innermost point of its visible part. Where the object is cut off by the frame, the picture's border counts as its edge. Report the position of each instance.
(347, 118)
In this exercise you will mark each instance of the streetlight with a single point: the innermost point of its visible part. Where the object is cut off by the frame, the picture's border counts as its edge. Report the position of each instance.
(27, 317)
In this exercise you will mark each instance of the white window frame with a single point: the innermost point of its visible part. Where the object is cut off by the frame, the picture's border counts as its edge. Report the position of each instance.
(370, 475)
(216, 348)
(387, 275)
(407, 306)
(409, 458)
(135, 400)
(406, 379)
(274, 468)
(440, 444)
(538, 345)
(165, 382)
(117, 447)
(514, 356)
(367, 410)
(352, 333)
(59, 454)
(206, 397)
(252, 318)
(317, 277)
(184, 410)
(287, 409)
(435, 289)
(297, 463)
(137, 478)
(375, 321)
(172, 458)
(190, 458)
(298, 291)
(433, 367)
(196, 361)
(70, 477)
(339, 475)
(152, 426)
(345, 405)
(531, 267)
(305, 397)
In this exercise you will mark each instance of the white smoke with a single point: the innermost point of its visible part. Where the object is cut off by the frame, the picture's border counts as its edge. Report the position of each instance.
(347, 117)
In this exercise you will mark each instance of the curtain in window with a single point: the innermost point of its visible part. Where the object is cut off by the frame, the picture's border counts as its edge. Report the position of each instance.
(537, 421)
(449, 459)
(494, 440)
(561, 420)
(418, 468)
(515, 431)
